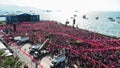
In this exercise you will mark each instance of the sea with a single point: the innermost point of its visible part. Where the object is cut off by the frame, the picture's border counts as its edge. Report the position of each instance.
(102, 24)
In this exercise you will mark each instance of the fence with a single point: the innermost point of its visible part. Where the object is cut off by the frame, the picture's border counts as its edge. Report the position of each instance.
(24, 56)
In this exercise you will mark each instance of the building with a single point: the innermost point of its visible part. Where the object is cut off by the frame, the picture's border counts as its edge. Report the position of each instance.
(22, 18)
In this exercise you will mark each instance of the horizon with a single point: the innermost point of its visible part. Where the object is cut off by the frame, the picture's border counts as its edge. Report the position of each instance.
(66, 5)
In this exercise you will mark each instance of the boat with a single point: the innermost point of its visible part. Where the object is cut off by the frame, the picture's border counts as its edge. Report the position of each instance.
(97, 18)
(118, 22)
(84, 17)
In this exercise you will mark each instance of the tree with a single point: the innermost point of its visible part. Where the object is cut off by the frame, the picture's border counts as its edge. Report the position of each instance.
(1, 53)
(9, 62)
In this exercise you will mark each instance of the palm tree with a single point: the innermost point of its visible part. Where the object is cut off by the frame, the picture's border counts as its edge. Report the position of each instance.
(1, 52)
(9, 62)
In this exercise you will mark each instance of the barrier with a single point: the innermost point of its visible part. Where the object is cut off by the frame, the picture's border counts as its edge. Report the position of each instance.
(32, 63)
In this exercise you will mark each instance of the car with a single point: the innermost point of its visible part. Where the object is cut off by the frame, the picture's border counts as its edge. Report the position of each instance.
(57, 59)
(7, 53)
(36, 54)
(34, 48)
(20, 39)
(37, 47)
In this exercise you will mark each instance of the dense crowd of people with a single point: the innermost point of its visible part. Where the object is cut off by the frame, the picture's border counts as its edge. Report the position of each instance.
(83, 48)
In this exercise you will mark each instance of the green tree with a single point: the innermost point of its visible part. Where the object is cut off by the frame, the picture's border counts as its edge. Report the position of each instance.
(9, 62)
(1, 53)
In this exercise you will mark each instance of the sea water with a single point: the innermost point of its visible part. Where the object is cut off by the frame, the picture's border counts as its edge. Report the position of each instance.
(2, 18)
(103, 25)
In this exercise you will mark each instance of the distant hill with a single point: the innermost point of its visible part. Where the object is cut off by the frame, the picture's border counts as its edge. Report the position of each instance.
(13, 9)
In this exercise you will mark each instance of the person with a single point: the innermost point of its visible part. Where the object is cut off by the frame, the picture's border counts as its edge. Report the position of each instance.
(77, 26)
(25, 66)
(74, 22)
(14, 26)
(84, 16)
(67, 22)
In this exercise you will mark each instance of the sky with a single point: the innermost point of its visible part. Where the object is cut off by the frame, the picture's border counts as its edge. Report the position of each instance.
(83, 5)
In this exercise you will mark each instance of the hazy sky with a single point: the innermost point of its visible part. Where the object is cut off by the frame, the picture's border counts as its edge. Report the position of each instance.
(83, 5)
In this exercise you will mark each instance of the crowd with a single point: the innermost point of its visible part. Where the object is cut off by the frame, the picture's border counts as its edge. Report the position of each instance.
(83, 48)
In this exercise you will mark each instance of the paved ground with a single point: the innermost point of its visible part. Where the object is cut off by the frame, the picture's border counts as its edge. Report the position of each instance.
(26, 47)
(45, 62)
